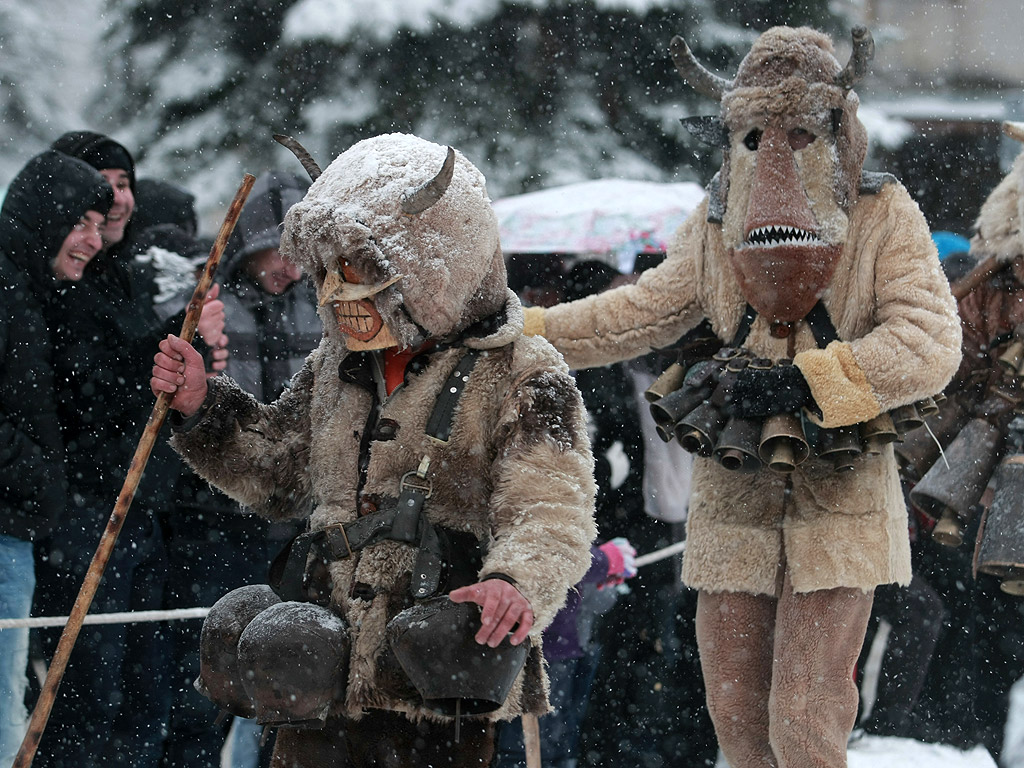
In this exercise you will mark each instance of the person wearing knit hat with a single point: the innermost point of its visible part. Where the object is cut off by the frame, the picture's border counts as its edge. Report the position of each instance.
(116, 165)
(100, 324)
(49, 229)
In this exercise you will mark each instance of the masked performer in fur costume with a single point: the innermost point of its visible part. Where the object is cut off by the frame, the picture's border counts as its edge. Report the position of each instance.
(435, 450)
(824, 284)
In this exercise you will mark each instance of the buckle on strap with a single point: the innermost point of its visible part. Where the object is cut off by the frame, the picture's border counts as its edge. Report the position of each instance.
(417, 481)
(334, 532)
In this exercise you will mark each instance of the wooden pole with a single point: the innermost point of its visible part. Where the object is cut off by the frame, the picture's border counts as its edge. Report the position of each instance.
(59, 663)
(531, 740)
(975, 277)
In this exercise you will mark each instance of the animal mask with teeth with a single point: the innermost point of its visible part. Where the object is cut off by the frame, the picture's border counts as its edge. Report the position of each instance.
(792, 161)
(400, 238)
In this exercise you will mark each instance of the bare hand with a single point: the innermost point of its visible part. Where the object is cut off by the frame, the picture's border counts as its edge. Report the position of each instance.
(178, 370)
(503, 607)
(218, 359)
(211, 321)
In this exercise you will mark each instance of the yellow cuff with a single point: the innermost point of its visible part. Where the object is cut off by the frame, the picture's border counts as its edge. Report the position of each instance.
(533, 321)
(838, 384)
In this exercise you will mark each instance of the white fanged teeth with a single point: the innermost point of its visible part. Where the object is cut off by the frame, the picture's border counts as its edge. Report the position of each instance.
(354, 317)
(775, 236)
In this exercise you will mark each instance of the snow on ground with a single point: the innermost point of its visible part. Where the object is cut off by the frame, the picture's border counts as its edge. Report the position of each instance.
(887, 752)
(890, 752)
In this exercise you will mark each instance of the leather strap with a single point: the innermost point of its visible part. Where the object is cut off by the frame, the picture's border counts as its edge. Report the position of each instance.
(403, 522)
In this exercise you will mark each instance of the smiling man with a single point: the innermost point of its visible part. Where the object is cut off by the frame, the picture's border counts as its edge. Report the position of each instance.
(48, 232)
(82, 243)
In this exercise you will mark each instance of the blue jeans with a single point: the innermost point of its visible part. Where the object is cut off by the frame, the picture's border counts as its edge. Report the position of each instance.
(17, 582)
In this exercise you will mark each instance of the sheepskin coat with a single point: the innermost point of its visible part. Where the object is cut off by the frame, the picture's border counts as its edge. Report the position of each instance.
(991, 313)
(899, 341)
(516, 473)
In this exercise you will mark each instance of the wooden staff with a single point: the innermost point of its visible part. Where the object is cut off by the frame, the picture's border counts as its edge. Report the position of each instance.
(531, 740)
(48, 694)
(976, 277)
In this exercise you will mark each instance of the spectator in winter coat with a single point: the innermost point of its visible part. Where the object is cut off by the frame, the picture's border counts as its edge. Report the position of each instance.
(114, 696)
(271, 325)
(49, 228)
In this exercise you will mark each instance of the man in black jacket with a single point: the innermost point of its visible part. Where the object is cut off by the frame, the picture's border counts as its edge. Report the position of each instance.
(49, 230)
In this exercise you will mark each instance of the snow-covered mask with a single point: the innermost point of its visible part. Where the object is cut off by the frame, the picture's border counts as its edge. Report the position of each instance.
(400, 237)
(793, 150)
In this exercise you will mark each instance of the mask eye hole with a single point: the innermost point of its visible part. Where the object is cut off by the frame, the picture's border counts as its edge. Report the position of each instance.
(799, 138)
(752, 140)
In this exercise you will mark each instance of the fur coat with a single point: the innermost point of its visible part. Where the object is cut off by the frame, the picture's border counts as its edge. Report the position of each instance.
(516, 474)
(899, 342)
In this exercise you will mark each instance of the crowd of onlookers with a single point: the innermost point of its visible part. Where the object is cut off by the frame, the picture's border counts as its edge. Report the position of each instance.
(97, 266)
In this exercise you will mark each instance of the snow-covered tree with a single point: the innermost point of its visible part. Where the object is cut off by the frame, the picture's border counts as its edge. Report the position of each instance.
(535, 92)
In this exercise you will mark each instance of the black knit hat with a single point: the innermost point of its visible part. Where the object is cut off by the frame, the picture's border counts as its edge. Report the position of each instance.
(99, 151)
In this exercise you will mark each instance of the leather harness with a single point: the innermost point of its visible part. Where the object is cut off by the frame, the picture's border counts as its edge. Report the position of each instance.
(400, 520)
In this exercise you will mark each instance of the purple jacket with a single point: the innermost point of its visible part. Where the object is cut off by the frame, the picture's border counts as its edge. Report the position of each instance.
(562, 637)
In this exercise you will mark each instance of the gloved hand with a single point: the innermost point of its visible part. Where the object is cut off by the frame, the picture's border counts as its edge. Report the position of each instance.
(621, 561)
(762, 392)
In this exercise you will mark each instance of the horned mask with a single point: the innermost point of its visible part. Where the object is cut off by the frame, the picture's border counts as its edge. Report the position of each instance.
(400, 238)
(793, 150)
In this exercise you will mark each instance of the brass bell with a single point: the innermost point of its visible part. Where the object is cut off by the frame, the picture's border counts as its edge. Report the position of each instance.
(877, 433)
(698, 431)
(1013, 357)
(783, 446)
(669, 381)
(906, 418)
(949, 529)
(669, 410)
(957, 480)
(840, 445)
(736, 448)
(927, 407)
(1000, 550)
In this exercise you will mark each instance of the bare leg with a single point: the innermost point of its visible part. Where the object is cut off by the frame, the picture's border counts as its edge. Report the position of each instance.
(813, 705)
(735, 634)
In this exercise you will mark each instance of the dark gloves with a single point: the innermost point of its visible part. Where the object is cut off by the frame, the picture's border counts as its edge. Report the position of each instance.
(760, 392)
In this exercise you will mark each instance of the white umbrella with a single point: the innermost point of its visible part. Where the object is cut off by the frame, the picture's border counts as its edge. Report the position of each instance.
(614, 217)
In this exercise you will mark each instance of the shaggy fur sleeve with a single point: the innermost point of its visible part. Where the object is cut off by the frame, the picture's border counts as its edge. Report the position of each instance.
(255, 453)
(542, 506)
(631, 320)
(913, 347)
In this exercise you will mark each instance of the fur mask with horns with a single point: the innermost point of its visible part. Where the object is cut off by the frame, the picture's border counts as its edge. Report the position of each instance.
(401, 240)
(793, 150)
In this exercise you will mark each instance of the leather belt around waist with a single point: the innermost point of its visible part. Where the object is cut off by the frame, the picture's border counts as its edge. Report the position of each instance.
(341, 540)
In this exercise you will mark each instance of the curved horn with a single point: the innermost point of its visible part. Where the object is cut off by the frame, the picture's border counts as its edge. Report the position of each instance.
(694, 73)
(300, 152)
(863, 52)
(418, 200)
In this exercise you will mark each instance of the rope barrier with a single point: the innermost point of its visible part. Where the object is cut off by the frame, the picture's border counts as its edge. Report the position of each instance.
(128, 617)
(134, 617)
(660, 554)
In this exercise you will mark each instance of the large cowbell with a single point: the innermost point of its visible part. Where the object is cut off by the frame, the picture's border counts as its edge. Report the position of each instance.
(781, 265)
